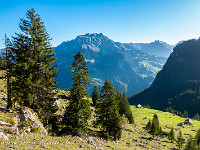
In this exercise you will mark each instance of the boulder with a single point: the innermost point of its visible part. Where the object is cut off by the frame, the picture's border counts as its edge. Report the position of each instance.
(2, 123)
(181, 124)
(57, 102)
(30, 120)
(3, 136)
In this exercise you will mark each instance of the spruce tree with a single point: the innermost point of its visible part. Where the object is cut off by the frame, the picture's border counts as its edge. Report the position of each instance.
(125, 108)
(107, 114)
(191, 145)
(198, 138)
(196, 117)
(95, 96)
(153, 129)
(155, 119)
(179, 140)
(118, 101)
(172, 135)
(148, 125)
(78, 112)
(34, 72)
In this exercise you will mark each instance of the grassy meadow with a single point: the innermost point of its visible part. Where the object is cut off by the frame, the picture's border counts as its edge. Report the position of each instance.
(133, 136)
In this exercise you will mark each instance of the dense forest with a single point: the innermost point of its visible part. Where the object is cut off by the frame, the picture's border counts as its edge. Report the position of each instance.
(176, 86)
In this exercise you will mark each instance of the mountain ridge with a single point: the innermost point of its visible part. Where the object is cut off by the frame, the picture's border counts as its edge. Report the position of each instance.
(130, 69)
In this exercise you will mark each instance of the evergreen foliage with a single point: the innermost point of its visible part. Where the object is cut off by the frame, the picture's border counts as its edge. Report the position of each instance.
(191, 144)
(124, 107)
(78, 112)
(177, 84)
(179, 140)
(171, 135)
(148, 125)
(153, 129)
(156, 120)
(185, 114)
(33, 72)
(119, 102)
(196, 117)
(108, 116)
(197, 137)
(95, 96)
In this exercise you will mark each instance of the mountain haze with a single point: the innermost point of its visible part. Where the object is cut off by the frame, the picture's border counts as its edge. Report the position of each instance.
(130, 69)
(157, 48)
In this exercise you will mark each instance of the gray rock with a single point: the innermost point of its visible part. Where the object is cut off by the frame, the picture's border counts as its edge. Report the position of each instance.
(15, 129)
(27, 115)
(90, 140)
(81, 146)
(57, 102)
(2, 123)
(3, 136)
(181, 124)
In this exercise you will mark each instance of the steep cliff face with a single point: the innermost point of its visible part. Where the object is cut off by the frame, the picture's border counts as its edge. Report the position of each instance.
(130, 69)
(177, 84)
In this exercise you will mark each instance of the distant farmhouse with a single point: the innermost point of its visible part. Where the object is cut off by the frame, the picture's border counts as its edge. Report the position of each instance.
(139, 106)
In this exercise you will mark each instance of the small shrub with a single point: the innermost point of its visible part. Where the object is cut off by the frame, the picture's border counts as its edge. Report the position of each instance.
(29, 122)
(35, 130)
(12, 121)
(21, 125)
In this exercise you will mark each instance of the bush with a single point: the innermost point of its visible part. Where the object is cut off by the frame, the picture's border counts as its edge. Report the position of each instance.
(35, 130)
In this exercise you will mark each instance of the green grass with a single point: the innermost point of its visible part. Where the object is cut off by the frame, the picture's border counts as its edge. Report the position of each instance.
(133, 136)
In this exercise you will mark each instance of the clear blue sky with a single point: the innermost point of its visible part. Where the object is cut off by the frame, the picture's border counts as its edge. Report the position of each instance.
(121, 20)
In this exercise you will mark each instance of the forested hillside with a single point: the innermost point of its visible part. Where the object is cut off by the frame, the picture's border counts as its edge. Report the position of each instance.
(177, 84)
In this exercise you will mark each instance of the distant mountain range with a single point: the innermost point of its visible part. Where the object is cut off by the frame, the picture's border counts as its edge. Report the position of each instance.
(130, 68)
(157, 48)
(177, 85)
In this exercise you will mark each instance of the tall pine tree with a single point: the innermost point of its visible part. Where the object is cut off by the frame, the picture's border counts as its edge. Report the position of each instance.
(33, 71)
(107, 114)
(95, 96)
(125, 108)
(180, 140)
(78, 112)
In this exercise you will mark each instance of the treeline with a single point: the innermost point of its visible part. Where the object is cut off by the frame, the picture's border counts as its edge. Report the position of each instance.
(30, 75)
(183, 114)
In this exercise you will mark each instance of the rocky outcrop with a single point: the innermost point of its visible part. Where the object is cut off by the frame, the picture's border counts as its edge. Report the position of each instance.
(27, 120)
(3, 136)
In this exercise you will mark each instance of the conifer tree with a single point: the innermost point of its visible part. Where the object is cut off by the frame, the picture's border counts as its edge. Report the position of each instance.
(95, 96)
(153, 129)
(118, 101)
(148, 125)
(156, 120)
(107, 114)
(198, 138)
(172, 134)
(33, 71)
(160, 132)
(179, 140)
(125, 108)
(196, 117)
(78, 112)
(191, 145)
